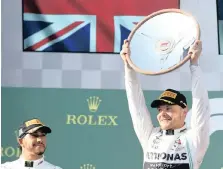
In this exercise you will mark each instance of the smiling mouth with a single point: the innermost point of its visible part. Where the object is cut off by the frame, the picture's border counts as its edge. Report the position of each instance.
(39, 145)
(166, 120)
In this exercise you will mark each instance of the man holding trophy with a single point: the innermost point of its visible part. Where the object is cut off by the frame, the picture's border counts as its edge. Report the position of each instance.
(172, 144)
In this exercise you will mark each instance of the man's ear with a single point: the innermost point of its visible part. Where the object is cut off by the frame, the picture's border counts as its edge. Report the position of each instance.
(185, 110)
(20, 141)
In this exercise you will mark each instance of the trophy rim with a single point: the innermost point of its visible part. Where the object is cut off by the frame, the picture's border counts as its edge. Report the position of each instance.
(183, 61)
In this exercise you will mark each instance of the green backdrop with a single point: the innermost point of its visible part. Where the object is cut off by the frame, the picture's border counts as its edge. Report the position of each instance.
(104, 139)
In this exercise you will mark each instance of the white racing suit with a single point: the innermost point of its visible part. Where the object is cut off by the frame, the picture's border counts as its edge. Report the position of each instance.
(182, 148)
(20, 164)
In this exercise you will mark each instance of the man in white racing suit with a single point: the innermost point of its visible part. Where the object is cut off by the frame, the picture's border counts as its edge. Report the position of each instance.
(172, 145)
(32, 143)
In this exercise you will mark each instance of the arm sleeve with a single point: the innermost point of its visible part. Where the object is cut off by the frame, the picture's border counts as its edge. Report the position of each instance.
(140, 115)
(200, 117)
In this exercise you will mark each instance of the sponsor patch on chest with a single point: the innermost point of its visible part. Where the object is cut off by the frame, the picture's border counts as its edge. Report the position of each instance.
(166, 153)
(166, 156)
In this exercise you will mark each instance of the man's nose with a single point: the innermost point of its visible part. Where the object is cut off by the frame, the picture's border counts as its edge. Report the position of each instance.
(163, 113)
(39, 139)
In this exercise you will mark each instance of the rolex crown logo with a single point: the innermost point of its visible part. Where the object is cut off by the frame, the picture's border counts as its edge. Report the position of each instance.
(93, 103)
(87, 166)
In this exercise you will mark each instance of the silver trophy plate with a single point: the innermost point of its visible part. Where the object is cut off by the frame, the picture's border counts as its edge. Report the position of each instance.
(160, 42)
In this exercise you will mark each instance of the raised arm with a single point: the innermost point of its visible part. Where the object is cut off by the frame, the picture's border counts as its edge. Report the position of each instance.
(200, 108)
(140, 115)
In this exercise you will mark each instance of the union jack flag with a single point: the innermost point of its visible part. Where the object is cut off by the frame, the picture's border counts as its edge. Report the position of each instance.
(220, 9)
(83, 26)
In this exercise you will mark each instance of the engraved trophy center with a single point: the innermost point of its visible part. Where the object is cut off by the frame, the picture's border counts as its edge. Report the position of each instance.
(164, 46)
